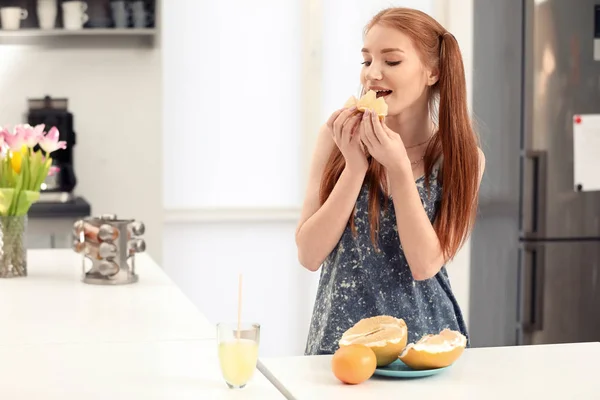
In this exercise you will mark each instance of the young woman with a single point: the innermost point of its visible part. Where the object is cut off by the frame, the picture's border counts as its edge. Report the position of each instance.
(389, 203)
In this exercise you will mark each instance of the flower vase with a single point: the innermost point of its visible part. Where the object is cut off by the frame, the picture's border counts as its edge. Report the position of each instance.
(13, 250)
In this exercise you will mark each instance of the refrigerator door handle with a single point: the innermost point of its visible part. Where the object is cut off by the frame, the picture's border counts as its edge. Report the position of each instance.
(534, 268)
(535, 225)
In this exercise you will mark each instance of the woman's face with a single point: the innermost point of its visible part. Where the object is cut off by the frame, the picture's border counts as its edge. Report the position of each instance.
(393, 67)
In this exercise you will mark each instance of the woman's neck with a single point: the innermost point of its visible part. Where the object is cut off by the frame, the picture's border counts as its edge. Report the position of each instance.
(414, 125)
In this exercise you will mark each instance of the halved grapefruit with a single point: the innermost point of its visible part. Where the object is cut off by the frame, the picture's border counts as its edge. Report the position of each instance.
(385, 335)
(351, 102)
(434, 351)
(369, 101)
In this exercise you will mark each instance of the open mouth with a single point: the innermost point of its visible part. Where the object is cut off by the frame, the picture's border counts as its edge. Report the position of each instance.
(382, 92)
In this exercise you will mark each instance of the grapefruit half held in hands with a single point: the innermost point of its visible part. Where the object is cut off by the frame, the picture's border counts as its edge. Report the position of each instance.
(385, 335)
(434, 351)
(353, 364)
(369, 101)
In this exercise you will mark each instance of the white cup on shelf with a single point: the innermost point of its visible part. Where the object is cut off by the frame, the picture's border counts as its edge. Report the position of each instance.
(74, 15)
(11, 17)
(46, 12)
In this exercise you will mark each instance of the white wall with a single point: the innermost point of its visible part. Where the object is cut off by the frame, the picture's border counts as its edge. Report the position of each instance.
(239, 126)
(232, 104)
(232, 122)
(114, 92)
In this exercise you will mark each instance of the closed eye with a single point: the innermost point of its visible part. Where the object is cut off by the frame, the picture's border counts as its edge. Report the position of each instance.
(390, 63)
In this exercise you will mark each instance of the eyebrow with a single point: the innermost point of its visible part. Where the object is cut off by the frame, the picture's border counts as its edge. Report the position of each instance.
(387, 50)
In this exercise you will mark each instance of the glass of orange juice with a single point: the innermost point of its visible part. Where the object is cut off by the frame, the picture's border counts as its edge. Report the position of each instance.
(238, 354)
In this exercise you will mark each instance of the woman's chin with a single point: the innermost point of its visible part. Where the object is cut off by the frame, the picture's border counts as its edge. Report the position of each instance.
(395, 109)
(392, 113)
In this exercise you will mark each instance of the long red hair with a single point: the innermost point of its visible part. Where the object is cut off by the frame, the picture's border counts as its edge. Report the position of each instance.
(455, 140)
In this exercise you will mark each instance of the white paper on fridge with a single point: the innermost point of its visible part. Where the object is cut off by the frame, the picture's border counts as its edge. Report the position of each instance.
(586, 152)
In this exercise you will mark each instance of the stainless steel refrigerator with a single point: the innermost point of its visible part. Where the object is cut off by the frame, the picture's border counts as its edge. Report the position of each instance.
(535, 251)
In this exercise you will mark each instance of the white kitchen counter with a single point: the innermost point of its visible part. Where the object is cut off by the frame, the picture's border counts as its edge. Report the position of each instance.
(63, 339)
(130, 371)
(52, 305)
(567, 371)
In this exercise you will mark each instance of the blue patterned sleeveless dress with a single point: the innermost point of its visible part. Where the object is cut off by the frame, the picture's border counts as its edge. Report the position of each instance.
(356, 282)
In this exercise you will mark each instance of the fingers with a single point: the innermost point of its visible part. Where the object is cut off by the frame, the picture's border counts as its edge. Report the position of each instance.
(356, 129)
(368, 132)
(331, 122)
(364, 138)
(333, 117)
(380, 133)
(391, 134)
(350, 127)
(339, 122)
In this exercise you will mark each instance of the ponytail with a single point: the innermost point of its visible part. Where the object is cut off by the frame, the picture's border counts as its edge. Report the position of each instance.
(457, 142)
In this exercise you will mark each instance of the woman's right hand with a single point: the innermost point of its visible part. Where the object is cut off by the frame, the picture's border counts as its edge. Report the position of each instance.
(344, 127)
(322, 224)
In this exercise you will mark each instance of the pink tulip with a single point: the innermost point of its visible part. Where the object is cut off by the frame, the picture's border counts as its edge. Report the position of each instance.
(50, 143)
(32, 134)
(15, 140)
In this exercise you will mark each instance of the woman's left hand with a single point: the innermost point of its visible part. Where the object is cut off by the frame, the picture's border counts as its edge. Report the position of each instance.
(384, 145)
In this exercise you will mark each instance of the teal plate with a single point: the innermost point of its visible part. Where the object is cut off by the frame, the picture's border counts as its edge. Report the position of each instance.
(398, 369)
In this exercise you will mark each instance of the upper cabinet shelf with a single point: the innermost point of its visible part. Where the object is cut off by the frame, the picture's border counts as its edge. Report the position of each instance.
(36, 21)
(34, 32)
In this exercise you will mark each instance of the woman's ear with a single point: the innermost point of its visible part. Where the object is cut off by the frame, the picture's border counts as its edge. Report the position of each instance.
(433, 76)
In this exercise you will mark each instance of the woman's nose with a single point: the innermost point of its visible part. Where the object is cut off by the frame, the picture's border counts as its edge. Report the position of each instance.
(374, 74)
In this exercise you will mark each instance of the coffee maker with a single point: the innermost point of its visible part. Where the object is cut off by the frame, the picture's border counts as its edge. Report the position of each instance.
(60, 183)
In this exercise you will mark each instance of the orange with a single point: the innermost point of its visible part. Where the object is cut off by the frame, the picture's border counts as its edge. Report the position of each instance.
(353, 364)
(385, 335)
(435, 351)
(369, 101)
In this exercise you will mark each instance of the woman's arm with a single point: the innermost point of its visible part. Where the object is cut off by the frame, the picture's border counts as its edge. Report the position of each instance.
(320, 227)
(419, 240)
